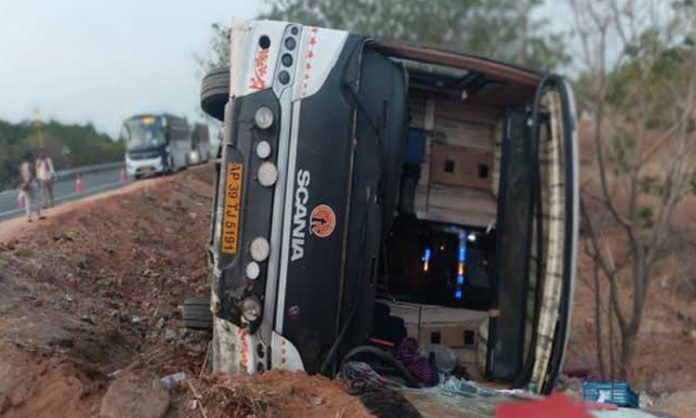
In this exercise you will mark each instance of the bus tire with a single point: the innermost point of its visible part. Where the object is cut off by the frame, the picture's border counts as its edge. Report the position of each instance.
(197, 314)
(215, 91)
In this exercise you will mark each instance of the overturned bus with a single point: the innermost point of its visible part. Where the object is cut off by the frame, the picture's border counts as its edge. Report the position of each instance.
(369, 191)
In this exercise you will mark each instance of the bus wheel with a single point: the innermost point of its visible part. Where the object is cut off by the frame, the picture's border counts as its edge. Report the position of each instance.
(215, 91)
(197, 314)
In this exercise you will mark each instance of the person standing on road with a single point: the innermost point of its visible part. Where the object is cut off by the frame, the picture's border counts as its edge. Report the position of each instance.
(30, 188)
(46, 176)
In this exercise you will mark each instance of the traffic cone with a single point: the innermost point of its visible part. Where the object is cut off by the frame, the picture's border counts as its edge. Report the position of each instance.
(124, 175)
(78, 183)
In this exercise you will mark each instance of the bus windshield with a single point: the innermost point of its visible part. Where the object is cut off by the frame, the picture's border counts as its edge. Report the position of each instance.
(143, 132)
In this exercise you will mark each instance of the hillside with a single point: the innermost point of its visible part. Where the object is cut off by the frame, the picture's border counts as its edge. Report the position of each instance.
(80, 315)
(68, 145)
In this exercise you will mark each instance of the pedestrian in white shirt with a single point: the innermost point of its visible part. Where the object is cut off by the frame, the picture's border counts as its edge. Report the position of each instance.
(30, 188)
(46, 175)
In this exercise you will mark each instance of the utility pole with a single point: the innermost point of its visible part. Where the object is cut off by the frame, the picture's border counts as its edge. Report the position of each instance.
(38, 126)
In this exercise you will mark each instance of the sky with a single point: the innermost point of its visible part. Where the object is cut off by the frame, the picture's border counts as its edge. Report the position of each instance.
(101, 61)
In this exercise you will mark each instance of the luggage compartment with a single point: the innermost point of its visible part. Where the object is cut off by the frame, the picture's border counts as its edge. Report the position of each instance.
(460, 246)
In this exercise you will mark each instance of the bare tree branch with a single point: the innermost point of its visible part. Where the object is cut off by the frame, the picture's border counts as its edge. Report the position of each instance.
(625, 44)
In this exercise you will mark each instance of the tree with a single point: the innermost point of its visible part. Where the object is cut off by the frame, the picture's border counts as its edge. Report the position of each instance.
(639, 84)
(501, 29)
(86, 145)
(219, 54)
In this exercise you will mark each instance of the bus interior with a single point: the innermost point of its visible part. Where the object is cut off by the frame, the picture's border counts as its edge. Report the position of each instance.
(459, 265)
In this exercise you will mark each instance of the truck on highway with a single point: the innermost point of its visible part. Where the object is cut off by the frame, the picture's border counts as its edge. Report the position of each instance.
(156, 143)
(371, 191)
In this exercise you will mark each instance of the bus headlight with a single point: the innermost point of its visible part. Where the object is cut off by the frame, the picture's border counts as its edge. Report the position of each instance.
(251, 309)
(267, 174)
(253, 270)
(263, 150)
(263, 117)
(260, 248)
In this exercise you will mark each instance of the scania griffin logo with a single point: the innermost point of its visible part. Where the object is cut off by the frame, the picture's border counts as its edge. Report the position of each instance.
(323, 221)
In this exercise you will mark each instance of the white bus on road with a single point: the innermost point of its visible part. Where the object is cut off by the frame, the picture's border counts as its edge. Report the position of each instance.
(156, 143)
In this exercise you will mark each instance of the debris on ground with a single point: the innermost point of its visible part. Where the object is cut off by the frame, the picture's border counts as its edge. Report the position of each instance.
(169, 382)
(92, 298)
(279, 393)
(135, 395)
(91, 320)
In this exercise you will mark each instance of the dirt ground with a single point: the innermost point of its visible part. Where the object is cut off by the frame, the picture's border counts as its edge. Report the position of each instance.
(90, 318)
(664, 368)
(92, 296)
(665, 362)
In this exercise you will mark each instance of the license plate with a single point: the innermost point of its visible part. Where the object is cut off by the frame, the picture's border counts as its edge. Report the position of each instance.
(233, 197)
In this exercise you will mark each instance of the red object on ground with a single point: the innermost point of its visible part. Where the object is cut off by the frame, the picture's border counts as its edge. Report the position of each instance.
(124, 176)
(78, 183)
(555, 406)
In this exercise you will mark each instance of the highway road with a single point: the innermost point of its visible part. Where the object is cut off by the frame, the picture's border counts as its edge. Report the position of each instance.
(94, 180)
